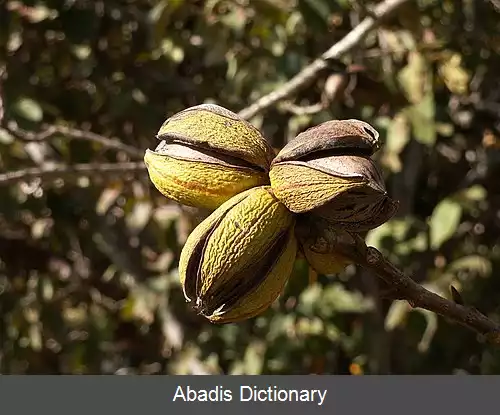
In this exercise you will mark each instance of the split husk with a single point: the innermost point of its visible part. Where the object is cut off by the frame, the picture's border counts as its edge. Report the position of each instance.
(328, 171)
(236, 263)
(207, 154)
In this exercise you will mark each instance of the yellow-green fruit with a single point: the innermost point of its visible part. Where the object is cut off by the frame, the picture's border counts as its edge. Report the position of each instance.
(208, 154)
(199, 183)
(319, 242)
(236, 263)
(324, 262)
(327, 171)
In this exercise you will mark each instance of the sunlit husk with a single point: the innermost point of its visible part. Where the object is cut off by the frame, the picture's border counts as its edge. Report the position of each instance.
(206, 155)
(199, 184)
(236, 263)
(315, 237)
(325, 263)
(327, 171)
(216, 128)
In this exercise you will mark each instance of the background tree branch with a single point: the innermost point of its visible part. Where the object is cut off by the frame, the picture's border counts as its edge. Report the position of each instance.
(65, 172)
(339, 49)
(308, 74)
(74, 133)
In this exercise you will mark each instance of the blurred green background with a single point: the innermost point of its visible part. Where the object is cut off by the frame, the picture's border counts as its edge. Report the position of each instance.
(89, 255)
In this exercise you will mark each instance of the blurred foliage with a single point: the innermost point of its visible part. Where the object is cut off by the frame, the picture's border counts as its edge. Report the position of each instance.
(88, 278)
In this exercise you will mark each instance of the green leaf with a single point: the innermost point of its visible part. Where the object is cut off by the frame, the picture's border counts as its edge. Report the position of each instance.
(253, 361)
(160, 15)
(475, 263)
(40, 13)
(396, 315)
(398, 135)
(444, 222)
(315, 12)
(474, 193)
(6, 137)
(430, 329)
(416, 79)
(395, 229)
(332, 300)
(422, 120)
(29, 109)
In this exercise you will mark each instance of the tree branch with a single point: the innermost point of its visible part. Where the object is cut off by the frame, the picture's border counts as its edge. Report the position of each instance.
(53, 130)
(495, 4)
(417, 296)
(2, 110)
(64, 171)
(311, 71)
(400, 286)
(303, 110)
